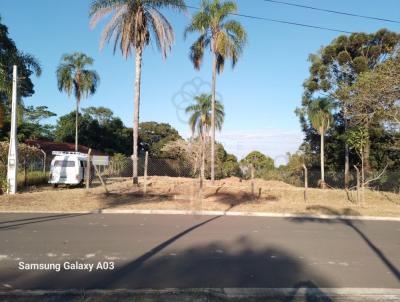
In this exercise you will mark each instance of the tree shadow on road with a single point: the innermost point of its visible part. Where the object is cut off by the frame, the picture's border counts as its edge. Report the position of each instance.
(234, 264)
(353, 225)
(16, 223)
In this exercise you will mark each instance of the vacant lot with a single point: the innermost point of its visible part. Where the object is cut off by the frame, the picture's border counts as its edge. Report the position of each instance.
(230, 194)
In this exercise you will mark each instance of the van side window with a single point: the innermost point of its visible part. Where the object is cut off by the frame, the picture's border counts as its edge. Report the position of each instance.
(64, 163)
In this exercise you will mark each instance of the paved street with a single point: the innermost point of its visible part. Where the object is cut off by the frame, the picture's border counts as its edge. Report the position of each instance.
(176, 251)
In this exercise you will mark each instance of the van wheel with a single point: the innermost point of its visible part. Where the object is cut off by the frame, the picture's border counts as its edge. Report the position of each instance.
(55, 186)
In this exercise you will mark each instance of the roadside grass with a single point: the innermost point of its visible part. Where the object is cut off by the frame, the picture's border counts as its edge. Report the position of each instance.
(33, 178)
(232, 194)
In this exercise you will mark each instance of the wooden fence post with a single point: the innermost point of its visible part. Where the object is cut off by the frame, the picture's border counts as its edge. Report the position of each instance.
(44, 161)
(305, 182)
(252, 181)
(101, 178)
(88, 169)
(25, 173)
(358, 183)
(146, 161)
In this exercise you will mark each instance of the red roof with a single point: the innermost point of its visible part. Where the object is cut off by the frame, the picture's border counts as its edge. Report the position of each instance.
(49, 146)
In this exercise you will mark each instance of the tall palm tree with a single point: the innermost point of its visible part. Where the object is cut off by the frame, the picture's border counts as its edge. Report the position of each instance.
(74, 78)
(200, 121)
(320, 116)
(133, 25)
(226, 40)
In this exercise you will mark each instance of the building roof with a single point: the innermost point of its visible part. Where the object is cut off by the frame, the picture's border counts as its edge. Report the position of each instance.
(50, 146)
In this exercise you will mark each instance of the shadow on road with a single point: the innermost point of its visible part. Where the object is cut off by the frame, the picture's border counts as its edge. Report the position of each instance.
(13, 224)
(351, 224)
(216, 265)
(136, 264)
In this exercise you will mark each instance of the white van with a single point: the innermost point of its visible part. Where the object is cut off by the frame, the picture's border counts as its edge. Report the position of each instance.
(68, 168)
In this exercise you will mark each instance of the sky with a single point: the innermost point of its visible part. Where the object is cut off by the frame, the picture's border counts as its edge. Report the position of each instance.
(260, 94)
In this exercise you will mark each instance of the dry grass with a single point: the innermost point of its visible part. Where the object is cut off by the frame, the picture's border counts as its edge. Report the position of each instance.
(230, 194)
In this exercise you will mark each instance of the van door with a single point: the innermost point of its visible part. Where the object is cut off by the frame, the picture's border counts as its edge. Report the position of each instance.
(65, 170)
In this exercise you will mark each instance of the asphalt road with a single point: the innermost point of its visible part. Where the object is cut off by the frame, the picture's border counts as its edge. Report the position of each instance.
(176, 251)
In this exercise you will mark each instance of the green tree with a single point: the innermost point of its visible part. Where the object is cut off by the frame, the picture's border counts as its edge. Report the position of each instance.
(27, 66)
(259, 161)
(376, 95)
(225, 38)
(154, 136)
(320, 116)
(101, 114)
(74, 78)
(200, 121)
(110, 137)
(133, 25)
(336, 67)
(227, 164)
(30, 126)
(357, 139)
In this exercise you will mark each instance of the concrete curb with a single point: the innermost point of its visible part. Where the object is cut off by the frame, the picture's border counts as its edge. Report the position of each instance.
(248, 214)
(208, 294)
(213, 213)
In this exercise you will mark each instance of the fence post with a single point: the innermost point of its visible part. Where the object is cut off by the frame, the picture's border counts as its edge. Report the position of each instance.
(25, 176)
(88, 169)
(101, 178)
(358, 183)
(44, 162)
(252, 180)
(146, 161)
(305, 182)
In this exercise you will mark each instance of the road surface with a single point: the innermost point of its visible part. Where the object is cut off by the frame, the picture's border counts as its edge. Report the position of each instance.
(177, 251)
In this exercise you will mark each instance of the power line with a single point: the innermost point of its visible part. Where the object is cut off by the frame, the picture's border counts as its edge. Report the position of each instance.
(283, 22)
(333, 11)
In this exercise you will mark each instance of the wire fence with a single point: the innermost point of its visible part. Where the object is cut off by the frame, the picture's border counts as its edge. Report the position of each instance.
(34, 167)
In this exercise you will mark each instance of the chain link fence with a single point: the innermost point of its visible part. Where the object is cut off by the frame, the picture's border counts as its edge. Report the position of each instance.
(122, 167)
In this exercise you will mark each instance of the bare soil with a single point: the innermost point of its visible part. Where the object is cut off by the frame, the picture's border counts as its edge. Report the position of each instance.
(231, 194)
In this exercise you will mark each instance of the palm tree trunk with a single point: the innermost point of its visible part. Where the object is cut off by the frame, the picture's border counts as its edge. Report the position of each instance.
(203, 159)
(214, 79)
(76, 124)
(322, 161)
(136, 115)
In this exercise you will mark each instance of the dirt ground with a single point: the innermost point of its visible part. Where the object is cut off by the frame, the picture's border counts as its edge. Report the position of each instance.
(230, 194)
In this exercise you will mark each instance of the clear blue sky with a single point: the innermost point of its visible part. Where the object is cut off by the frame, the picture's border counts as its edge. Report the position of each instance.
(260, 94)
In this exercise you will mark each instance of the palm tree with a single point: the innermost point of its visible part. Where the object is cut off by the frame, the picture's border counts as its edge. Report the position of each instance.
(133, 25)
(200, 121)
(320, 116)
(226, 40)
(74, 78)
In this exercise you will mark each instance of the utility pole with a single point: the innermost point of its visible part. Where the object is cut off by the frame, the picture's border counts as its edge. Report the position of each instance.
(12, 165)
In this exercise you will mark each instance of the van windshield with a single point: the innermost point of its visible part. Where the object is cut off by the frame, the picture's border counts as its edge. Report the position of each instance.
(64, 163)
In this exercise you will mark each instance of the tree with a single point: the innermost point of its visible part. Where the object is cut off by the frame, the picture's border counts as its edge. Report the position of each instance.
(74, 78)
(337, 66)
(110, 137)
(189, 154)
(357, 139)
(376, 95)
(27, 66)
(133, 25)
(200, 121)
(30, 126)
(101, 114)
(320, 116)
(226, 40)
(259, 162)
(154, 136)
